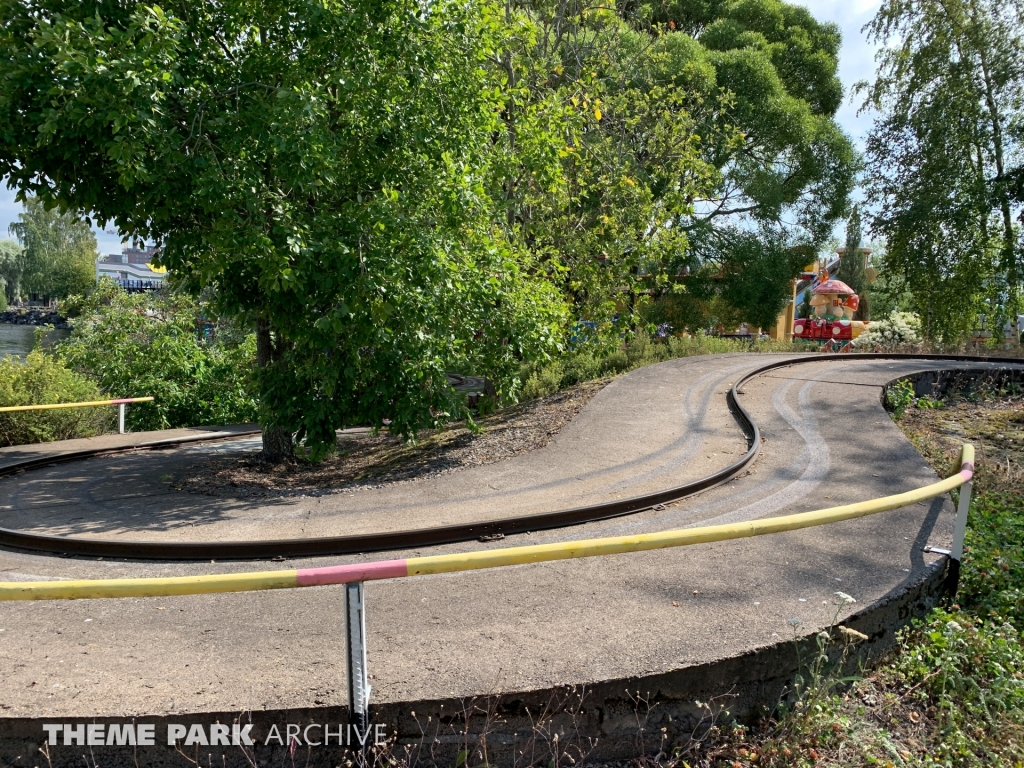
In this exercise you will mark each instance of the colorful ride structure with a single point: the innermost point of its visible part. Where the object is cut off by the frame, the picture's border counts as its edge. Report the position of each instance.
(833, 306)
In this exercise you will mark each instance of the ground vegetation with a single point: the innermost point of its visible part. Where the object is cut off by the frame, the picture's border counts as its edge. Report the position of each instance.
(41, 379)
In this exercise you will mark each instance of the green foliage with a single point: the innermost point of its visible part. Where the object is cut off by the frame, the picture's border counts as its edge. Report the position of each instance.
(336, 182)
(949, 95)
(137, 345)
(805, 310)
(970, 670)
(992, 584)
(899, 396)
(888, 293)
(753, 277)
(12, 262)
(59, 257)
(42, 380)
(322, 170)
(635, 153)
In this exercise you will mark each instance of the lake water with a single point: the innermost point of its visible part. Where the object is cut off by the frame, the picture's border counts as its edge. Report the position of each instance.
(18, 339)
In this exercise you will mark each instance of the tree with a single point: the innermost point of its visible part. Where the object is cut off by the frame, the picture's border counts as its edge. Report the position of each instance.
(949, 93)
(12, 263)
(851, 268)
(888, 293)
(679, 139)
(321, 169)
(60, 251)
(767, 72)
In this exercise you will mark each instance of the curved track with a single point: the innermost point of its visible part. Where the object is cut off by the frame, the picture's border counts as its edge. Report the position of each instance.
(417, 537)
(681, 624)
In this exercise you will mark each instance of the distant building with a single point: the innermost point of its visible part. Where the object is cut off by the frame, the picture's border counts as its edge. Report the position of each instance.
(133, 269)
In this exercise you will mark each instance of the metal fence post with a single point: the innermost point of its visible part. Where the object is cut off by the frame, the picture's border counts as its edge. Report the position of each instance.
(358, 679)
(956, 554)
(120, 418)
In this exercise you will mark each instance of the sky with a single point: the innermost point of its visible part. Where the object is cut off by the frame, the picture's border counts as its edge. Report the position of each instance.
(856, 62)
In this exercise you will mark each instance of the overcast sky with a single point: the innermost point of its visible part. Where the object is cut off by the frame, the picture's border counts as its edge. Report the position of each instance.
(856, 62)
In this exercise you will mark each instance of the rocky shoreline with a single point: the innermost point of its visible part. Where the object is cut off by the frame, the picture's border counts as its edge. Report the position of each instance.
(33, 316)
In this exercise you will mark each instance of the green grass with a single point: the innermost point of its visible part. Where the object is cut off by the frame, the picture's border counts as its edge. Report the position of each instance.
(594, 361)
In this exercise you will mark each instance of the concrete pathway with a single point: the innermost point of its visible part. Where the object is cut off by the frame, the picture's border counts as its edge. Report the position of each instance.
(827, 441)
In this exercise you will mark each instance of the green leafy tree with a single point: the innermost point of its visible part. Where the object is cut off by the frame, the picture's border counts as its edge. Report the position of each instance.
(60, 252)
(888, 293)
(805, 309)
(12, 264)
(675, 144)
(754, 278)
(851, 268)
(949, 92)
(321, 170)
(767, 73)
(148, 344)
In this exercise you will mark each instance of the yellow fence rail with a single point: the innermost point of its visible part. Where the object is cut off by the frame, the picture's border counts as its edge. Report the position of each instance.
(120, 403)
(51, 406)
(353, 575)
(495, 558)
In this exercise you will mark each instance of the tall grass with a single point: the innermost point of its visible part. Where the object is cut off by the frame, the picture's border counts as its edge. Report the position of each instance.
(594, 361)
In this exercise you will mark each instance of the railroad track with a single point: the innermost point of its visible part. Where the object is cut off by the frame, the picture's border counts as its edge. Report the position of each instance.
(431, 536)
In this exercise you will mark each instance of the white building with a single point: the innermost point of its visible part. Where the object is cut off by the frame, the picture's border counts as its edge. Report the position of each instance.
(133, 269)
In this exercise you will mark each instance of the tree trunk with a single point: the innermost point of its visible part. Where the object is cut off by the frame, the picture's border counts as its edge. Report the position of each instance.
(277, 442)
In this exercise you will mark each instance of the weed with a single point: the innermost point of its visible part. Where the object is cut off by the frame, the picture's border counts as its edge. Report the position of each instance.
(898, 397)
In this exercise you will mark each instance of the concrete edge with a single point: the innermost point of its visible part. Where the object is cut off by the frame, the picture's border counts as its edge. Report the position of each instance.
(612, 719)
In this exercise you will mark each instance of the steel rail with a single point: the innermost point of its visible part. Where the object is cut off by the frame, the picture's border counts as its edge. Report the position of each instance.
(478, 560)
(425, 537)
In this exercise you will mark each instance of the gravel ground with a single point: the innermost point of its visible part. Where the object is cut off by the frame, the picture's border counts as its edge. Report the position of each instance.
(368, 460)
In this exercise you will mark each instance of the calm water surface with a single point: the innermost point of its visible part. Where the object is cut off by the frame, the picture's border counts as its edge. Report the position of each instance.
(17, 339)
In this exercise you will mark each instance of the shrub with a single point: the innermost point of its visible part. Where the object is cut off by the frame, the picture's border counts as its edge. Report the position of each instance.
(616, 362)
(899, 329)
(40, 380)
(899, 396)
(541, 380)
(150, 344)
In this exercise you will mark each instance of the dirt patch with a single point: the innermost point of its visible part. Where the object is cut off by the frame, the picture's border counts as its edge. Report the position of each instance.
(995, 426)
(368, 460)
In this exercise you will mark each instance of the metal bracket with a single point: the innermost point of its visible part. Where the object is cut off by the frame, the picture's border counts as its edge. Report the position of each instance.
(355, 647)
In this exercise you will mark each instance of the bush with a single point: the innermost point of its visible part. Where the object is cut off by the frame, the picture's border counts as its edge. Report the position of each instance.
(150, 344)
(40, 380)
(899, 329)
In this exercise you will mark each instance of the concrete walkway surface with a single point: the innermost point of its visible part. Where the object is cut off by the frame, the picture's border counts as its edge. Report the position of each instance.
(826, 441)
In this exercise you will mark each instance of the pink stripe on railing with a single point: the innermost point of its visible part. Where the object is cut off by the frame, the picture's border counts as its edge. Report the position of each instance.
(967, 471)
(346, 574)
